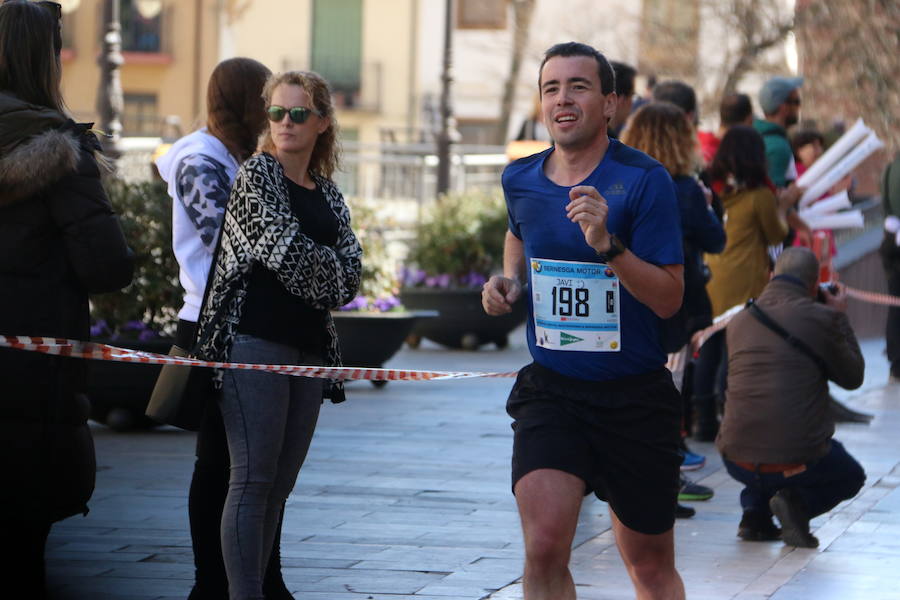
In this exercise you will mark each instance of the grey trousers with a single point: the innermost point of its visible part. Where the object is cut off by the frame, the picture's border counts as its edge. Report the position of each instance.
(269, 423)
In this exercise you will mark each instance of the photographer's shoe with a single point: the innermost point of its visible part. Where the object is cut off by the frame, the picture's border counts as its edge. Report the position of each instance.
(791, 511)
(755, 527)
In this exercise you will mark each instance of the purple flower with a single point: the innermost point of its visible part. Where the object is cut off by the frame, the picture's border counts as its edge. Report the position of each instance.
(385, 304)
(99, 328)
(474, 279)
(358, 303)
(412, 277)
(438, 281)
(134, 326)
(146, 335)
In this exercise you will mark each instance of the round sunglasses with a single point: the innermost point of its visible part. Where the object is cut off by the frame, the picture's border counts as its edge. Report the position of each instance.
(298, 114)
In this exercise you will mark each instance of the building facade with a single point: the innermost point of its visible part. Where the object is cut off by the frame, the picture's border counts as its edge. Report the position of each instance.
(383, 57)
(169, 49)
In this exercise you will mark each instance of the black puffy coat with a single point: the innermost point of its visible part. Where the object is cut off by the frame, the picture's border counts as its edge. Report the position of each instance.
(59, 242)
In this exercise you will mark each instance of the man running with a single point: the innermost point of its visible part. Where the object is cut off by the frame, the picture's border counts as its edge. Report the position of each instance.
(594, 230)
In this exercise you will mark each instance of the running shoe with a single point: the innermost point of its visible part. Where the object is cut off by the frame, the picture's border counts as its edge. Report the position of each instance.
(684, 512)
(691, 491)
(691, 461)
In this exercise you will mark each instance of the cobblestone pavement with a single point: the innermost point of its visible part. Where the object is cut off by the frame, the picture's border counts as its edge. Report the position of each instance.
(405, 494)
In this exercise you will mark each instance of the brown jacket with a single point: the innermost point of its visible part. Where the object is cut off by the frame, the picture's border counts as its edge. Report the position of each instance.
(776, 409)
(741, 271)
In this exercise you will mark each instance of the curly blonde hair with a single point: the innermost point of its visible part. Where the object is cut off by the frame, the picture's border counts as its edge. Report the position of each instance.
(325, 159)
(661, 130)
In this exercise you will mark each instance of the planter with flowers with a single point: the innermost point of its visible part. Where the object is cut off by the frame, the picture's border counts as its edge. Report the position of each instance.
(373, 326)
(143, 316)
(458, 245)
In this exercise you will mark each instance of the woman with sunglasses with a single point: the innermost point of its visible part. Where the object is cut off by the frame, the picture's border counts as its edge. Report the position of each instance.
(59, 242)
(287, 256)
(199, 170)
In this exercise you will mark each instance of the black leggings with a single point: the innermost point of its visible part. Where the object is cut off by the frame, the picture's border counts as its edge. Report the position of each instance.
(23, 568)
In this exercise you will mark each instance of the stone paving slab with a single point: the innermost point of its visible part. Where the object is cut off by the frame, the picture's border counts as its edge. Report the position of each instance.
(405, 494)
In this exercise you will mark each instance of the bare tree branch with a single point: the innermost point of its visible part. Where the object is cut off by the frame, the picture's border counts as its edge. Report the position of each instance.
(523, 11)
(851, 57)
(758, 26)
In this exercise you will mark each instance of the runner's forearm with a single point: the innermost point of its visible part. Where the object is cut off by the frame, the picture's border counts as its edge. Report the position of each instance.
(659, 288)
(513, 258)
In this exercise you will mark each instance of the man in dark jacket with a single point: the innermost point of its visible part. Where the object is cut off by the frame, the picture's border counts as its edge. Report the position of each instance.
(776, 437)
(59, 242)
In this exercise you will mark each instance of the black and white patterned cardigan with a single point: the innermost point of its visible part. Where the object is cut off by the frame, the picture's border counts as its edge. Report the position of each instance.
(260, 229)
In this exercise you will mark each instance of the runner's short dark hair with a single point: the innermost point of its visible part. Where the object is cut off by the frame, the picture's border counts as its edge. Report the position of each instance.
(604, 69)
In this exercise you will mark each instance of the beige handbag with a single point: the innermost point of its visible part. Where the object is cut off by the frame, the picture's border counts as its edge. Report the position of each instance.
(181, 394)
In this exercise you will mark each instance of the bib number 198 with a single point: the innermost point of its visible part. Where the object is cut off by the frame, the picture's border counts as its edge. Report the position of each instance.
(564, 303)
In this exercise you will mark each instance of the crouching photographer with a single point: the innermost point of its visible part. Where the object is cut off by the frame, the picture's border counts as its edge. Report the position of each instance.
(776, 437)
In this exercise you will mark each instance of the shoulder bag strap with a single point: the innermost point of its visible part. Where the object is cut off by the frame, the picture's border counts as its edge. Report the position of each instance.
(797, 343)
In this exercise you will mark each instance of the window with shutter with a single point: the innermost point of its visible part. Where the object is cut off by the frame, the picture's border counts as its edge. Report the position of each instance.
(337, 45)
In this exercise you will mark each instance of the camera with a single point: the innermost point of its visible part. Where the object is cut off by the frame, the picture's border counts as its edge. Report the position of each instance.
(830, 288)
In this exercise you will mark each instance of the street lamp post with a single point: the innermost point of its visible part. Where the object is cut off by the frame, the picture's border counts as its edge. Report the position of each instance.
(109, 94)
(443, 141)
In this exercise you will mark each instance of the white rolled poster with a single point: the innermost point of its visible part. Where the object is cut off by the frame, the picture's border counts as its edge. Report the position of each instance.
(850, 219)
(835, 152)
(828, 205)
(844, 166)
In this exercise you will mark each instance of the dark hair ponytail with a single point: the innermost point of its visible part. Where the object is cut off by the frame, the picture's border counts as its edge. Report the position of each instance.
(742, 156)
(29, 64)
(234, 104)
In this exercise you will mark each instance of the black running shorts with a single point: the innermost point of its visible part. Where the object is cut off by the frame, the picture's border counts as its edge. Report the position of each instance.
(620, 437)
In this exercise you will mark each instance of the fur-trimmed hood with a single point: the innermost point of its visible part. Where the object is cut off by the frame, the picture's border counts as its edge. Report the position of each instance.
(38, 146)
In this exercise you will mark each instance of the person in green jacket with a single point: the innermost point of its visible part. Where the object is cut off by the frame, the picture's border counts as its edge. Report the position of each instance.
(779, 98)
(780, 102)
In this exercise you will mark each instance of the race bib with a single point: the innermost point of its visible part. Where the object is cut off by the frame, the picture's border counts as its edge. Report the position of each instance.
(576, 306)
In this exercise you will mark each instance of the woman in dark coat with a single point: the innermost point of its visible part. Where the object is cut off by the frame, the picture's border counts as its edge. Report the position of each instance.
(59, 241)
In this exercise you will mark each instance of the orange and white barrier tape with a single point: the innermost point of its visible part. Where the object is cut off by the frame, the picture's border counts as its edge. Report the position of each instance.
(873, 297)
(94, 351)
(720, 322)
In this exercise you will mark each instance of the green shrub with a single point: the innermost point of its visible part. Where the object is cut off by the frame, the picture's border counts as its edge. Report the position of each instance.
(378, 287)
(459, 242)
(149, 306)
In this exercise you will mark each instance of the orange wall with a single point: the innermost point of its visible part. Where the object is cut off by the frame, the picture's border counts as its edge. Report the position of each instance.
(177, 76)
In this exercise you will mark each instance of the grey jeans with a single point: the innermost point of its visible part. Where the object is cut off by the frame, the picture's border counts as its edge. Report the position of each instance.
(269, 423)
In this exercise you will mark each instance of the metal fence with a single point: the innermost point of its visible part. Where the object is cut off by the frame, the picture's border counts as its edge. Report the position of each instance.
(399, 181)
(408, 172)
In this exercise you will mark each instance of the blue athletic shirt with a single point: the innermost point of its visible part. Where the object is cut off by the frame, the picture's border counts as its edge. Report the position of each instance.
(643, 213)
